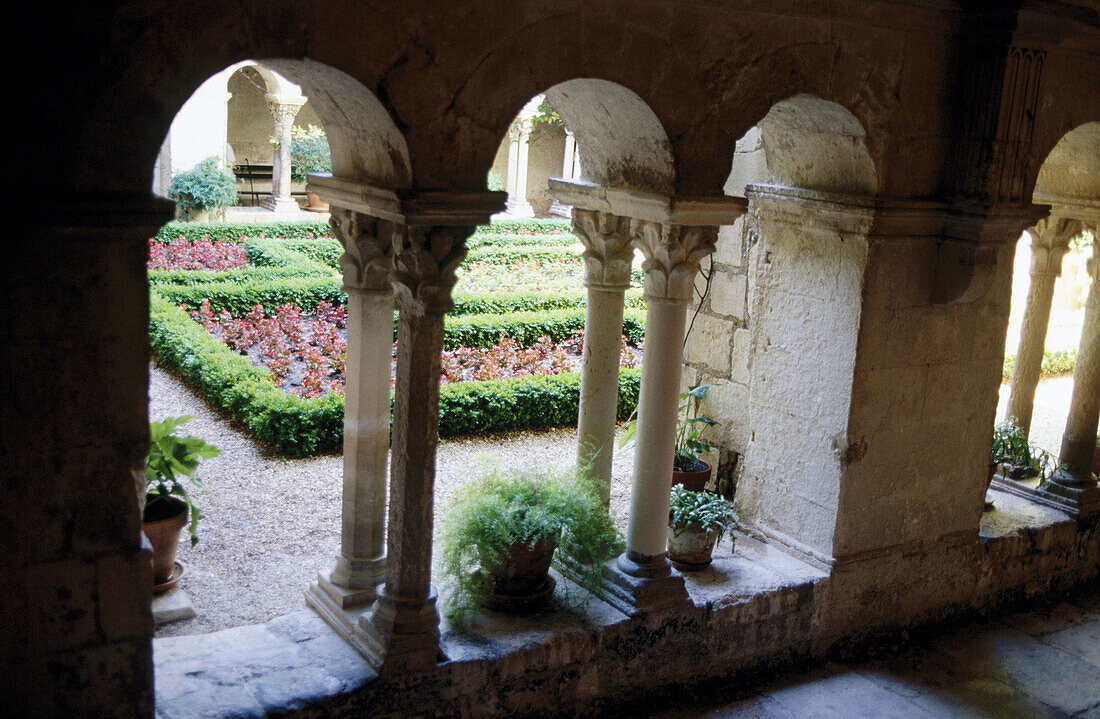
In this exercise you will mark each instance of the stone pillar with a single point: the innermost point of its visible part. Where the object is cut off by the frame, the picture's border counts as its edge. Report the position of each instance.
(672, 255)
(516, 183)
(608, 256)
(1049, 242)
(1074, 479)
(368, 264)
(570, 170)
(283, 111)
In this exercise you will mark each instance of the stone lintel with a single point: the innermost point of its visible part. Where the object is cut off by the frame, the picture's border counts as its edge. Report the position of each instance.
(1070, 208)
(648, 206)
(405, 207)
(845, 214)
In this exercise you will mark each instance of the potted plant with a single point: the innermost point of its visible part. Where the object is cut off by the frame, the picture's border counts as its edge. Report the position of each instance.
(688, 468)
(501, 533)
(309, 153)
(1020, 460)
(696, 522)
(167, 502)
(203, 190)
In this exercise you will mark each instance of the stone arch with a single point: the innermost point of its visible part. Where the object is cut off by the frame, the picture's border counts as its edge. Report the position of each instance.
(786, 293)
(807, 142)
(1072, 169)
(621, 141)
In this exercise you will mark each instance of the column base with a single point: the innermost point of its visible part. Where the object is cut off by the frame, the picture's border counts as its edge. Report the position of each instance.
(340, 608)
(636, 588)
(280, 205)
(400, 635)
(1078, 497)
(519, 208)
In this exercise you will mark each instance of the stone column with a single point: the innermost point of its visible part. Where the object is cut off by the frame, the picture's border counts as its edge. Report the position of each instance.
(1074, 478)
(368, 265)
(283, 111)
(672, 255)
(608, 256)
(516, 183)
(1049, 242)
(570, 170)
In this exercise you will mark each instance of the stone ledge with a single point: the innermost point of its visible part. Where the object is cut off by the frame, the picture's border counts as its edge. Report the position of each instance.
(752, 608)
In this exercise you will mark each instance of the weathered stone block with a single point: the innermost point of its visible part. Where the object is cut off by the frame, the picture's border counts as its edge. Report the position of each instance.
(709, 342)
(727, 294)
(125, 590)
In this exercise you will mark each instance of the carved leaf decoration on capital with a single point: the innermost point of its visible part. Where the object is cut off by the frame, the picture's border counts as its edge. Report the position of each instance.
(283, 113)
(608, 253)
(1050, 238)
(367, 261)
(425, 261)
(672, 256)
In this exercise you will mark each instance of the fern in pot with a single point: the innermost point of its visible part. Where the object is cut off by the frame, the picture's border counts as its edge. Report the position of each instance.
(501, 532)
(696, 522)
(168, 504)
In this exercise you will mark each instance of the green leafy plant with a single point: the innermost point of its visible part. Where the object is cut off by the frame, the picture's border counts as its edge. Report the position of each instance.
(689, 430)
(501, 508)
(1010, 446)
(493, 182)
(710, 511)
(309, 152)
(172, 457)
(204, 187)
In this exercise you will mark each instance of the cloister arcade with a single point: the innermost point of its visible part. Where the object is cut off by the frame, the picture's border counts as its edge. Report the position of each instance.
(854, 199)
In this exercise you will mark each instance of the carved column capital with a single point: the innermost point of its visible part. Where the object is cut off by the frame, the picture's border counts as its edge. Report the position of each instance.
(672, 256)
(367, 261)
(608, 252)
(1050, 238)
(425, 260)
(284, 110)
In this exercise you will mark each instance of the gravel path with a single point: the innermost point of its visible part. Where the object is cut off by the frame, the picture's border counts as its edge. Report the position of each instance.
(272, 523)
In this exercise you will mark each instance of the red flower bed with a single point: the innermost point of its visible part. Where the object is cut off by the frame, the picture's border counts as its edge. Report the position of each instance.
(306, 354)
(182, 254)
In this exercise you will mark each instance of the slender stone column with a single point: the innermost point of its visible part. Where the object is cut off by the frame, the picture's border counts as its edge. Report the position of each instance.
(608, 256)
(403, 629)
(368, 265)
(519, 136)
(1049, 242)
(672, 255)
(283, 111)
(1074, 478)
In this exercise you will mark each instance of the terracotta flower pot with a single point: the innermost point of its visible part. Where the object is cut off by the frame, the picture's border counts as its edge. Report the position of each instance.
(693, 549)
(314, 203)
(521, 581)
(693, 481)
(163, 522)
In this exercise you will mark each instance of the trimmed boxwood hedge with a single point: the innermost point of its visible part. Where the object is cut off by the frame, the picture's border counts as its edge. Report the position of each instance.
(526, 226)
(502, 239)
(302, 427)
(508, 254)
(484, 330)
(1054, 363)
(235, 230)
(469, 303)
(325, 251)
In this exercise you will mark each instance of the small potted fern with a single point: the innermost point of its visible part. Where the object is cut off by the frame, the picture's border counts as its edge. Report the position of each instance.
(168, 505)
(696, 523)
(502, 531)
(688, 467)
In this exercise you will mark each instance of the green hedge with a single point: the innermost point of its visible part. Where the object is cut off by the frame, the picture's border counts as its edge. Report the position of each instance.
(501, 239)
(240, 297)
(256, 276)
(471, 408)
(513, 253)
(1054, 363)
(325, 251)
(235, 230)
(526, 327)
(469, 303)
(526, 226)
(302, 427)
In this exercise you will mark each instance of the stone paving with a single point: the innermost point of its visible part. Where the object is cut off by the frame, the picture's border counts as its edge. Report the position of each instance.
(1040, 663)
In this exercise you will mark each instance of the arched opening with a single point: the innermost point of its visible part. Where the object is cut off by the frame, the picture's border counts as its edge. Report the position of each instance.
(220, 273)
(777, 324)
(1051, 328)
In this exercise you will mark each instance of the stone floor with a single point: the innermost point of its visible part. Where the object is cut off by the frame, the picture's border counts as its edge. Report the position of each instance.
(1042, 662)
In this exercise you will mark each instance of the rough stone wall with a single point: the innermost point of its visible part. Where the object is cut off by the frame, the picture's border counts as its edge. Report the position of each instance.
(923, 402)
(76, 581)
(544, 160)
